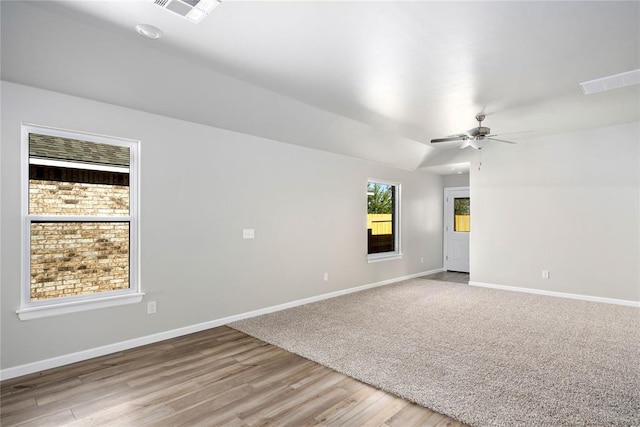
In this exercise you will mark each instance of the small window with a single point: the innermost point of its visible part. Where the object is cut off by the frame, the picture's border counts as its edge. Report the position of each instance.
(80, 238)
(383, 207)
(462, 214)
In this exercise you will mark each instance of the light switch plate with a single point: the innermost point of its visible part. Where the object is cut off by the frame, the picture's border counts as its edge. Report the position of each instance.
(248, 233)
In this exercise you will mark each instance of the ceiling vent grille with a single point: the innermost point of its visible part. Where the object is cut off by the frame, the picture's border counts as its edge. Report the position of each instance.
(193, 10)
(616, 81)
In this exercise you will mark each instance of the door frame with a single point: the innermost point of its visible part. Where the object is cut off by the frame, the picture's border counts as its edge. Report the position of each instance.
(448, 192)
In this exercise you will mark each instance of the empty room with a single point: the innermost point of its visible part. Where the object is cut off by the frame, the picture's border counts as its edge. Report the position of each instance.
(381, 213)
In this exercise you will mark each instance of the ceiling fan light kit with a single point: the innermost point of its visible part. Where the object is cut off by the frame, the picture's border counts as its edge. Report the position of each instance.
(475, 138)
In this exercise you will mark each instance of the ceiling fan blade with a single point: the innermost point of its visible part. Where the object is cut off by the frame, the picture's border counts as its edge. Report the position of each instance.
(451, 138)
(500, 140)
(464, 145)
(510, 133)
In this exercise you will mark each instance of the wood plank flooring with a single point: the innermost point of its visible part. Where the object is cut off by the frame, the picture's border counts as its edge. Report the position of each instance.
(215, 377)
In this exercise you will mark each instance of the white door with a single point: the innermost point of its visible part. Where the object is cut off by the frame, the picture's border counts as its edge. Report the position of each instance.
(457, 228)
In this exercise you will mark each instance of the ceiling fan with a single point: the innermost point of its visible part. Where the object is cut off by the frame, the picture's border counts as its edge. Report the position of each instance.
(476, 137)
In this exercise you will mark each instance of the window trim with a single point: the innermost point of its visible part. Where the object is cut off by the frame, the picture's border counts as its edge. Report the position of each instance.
(76, 165)
(397, 253)
(44, 308)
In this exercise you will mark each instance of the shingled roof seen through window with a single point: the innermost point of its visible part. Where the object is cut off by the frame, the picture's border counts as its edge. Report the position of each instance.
(75, 150)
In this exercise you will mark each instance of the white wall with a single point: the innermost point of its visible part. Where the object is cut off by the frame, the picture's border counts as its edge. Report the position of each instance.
(200, 186)
(456, 180)
(565, 203)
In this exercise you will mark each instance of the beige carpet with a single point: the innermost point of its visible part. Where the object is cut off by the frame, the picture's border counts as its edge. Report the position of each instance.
(482, 356)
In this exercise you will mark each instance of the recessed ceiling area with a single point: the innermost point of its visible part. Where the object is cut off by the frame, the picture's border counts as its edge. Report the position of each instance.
(374, 80)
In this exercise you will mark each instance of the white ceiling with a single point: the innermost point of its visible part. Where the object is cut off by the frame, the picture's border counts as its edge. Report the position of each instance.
(375, 80)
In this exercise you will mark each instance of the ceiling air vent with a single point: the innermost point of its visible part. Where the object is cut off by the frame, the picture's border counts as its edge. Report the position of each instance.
(616, 81)
(193, 10)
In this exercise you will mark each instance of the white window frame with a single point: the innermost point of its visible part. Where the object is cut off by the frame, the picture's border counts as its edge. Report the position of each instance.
(56, 306)
(397, 253)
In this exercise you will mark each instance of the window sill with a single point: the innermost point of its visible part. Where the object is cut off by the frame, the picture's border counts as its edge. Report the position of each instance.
(38, 312)
(389, 256)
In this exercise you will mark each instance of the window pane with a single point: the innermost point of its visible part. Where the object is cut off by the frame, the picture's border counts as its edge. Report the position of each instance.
(48, 197)
(462, 214)
(380, 217)
(74, 177)
(77, 258)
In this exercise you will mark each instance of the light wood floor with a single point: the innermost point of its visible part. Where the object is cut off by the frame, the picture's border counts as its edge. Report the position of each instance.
(215, 377)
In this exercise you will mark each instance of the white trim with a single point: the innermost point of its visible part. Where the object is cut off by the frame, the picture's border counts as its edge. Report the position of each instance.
(40, 311)
(73, 134)
(397, 254)
(446, 215)
(77, 165)
(79, 218)
(66, 359)
(383, 256)
(25, 255)
(557, 294)
(37, 309)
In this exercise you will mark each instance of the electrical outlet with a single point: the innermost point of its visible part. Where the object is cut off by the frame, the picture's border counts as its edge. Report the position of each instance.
(421, 260)
(151, 307)
(545, 274)
(326, 277)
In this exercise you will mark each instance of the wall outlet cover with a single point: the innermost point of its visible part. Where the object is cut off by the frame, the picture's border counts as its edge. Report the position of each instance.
(151, 307)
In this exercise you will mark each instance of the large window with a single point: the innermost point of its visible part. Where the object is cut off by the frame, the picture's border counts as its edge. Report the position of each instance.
(383, 207)
(80, 223)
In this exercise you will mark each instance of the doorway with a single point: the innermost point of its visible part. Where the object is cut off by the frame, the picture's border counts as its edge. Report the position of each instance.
(457, 229)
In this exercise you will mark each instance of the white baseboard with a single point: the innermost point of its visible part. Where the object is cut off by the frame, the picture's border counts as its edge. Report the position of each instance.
(66, 359)
(557, 294)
